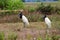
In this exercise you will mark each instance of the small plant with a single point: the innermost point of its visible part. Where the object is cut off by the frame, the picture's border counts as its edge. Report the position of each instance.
(48, 38)
(1, 35)
(31, 9)
(58, 10)
(12, 36)
(28, 36)
(55, 37)
(39, 38)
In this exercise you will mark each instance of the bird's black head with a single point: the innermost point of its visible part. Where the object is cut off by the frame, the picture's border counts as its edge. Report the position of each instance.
(20, 15)
(44, 16)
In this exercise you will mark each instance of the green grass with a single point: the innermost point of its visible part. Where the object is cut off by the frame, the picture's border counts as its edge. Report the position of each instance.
(12, 36)
(2, 36)
(39, 38)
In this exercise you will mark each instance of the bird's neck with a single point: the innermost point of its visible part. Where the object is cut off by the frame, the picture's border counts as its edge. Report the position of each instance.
(21, 16)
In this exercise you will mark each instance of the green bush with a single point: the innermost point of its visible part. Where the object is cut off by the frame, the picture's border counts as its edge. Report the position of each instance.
(1, 36)
(40, 7)
(31, 9)
(2, 4)
(46, 9)
(55, 37)
(8, 13)
(14, 4)
(48, 38)
(57, 10)
(11, 4)
(39, 38)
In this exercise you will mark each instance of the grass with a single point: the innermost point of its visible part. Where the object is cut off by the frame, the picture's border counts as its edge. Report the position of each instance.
(39, 38)
(35, 30)
(2, 36)
(12, 36)
(55, 38)
(29, 36)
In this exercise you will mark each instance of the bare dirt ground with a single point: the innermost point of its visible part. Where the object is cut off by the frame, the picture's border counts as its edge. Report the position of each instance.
(36, 29)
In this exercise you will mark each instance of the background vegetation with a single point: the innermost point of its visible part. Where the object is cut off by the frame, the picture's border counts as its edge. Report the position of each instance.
(11, 4)
(34, 12)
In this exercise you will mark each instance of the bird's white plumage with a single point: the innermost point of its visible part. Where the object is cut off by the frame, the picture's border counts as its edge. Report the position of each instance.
(48, 22)
(25, 20)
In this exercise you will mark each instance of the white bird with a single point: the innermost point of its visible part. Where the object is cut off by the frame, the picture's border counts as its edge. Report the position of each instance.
(24, 19)
(47, 21)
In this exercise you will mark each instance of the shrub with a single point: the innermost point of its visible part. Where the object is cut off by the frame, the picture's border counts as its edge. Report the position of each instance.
(40, 7)
(46, 9)
(31, 9)
(8, 13)
(55, 37)
(11, 4)
(2, 4)
(39, 38)
(57, 10)
(14, 4)
(1, 36)
(48, 38)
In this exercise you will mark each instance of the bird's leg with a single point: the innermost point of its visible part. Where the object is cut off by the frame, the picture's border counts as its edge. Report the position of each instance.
(48, 32)
(24, 25)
